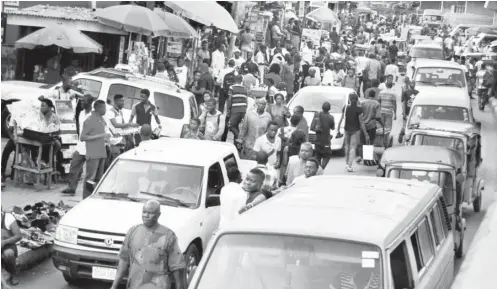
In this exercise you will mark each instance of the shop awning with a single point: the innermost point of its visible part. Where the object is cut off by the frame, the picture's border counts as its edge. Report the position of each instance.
(323, 14)
(181, 27)
(206, 12)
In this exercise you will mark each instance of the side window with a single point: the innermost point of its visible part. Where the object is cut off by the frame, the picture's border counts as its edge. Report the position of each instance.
(436, 221)
(131, 94)
(422, 244)
(169, 106)
(215, 180)
(230, 161)
(400, 267)
(90, 86)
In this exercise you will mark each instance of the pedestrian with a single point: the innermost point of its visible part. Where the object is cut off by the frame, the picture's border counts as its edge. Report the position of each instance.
(372, 115)
(338, 74)
(193, 130)
(311, 169)
(407, 99)
(328, 75)
(253, 187)
(393, 50)
(238, 59)
(249, 65)
(144, 111)
(388, 96)
(279, 110)
(296, 164)
(392, 69)
(262, 60)
(226, 79)
(351, 80)
(212, 121)
(354, 125)
(116, 125)
(145, 133)
(218, 63)
(271, 174)
(232, 197)
(324, 123)
(249, 79)
(246, 42)
(161, 71)
(254, 125)
(181, 71)
(273, 74)
(303, 125)
(11, 234)
(270, 144)
(150, 254)
(202, 54)
(171, 74)
(206, 81)
(362, 63)
(194, 88)
(237, 105)
(94, 135)
(374, 68)
(312, 79)
(78, 158)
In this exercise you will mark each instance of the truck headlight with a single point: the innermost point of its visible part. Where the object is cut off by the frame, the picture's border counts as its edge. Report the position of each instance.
(66, 234)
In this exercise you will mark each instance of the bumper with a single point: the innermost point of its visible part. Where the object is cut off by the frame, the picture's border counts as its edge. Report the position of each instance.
(79, 264)
(335, 145)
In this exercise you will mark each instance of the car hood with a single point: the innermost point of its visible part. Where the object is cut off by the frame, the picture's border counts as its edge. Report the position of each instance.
(117, 216)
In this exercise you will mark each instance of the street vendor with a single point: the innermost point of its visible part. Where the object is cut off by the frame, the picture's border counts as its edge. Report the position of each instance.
(11, 234)
(66, 91)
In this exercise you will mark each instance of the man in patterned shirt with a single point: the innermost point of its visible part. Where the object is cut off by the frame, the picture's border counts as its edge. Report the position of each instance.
(270, 183)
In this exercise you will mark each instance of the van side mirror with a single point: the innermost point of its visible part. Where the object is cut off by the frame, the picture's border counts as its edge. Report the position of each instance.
(213, 201)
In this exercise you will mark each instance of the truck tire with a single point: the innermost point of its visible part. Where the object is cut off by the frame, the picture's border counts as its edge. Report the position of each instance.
(71, 280)
(192, 257)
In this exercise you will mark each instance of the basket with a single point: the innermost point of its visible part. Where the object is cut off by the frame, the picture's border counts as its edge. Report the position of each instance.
(42, 137)
(258, 92)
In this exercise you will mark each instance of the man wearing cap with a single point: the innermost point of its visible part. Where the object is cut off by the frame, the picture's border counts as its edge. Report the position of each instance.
(254, 125)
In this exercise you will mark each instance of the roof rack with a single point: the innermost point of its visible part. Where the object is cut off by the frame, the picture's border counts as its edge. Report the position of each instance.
(165, 82)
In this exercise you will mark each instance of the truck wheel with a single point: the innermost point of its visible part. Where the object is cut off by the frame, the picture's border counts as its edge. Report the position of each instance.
(192, 257)
(460, 249)
(477, 204)
(71, 280)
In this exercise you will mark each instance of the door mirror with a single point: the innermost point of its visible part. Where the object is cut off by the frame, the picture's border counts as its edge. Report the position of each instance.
(213, 201)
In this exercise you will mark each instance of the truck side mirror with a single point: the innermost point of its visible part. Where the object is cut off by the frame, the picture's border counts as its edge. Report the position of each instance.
(213, 201)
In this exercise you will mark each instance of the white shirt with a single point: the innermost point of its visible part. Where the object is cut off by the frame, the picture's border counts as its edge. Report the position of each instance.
(162, 75)
(392, 69)
(232, 198)
(217, 62)
(362, 63)
(223, 72)
(80, 146)
(260, 58)
(383, 87)
(464, 68)
(263, 144)
(9, 220)
(239, 61)
(307, 55)
(182, 74)
(328, 78)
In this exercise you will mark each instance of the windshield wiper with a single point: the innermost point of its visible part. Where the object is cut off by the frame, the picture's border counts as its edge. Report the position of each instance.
(176, 201)
(118, 196)
(426, 82)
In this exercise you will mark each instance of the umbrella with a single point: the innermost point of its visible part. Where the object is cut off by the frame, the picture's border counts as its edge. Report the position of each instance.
(181, 28)
(323, 14)
(133, 18)
(364, 9)
(62, 36)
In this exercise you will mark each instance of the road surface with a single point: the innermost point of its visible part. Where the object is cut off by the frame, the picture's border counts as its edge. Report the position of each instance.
(46, 276)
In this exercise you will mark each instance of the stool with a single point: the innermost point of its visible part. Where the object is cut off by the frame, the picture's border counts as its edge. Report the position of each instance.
(38, 171)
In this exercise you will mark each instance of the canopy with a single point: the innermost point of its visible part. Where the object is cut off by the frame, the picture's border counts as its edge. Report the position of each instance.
(323, 14)
(181, 28)
(206, 12)
(61, 36)
(363, 9)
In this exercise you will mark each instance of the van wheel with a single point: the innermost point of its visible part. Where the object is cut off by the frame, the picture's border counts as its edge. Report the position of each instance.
(192, 257)
(71, 280)
(460, 249)
(477, 204)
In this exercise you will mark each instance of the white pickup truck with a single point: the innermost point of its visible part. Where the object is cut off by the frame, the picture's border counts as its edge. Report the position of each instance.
(185, 175)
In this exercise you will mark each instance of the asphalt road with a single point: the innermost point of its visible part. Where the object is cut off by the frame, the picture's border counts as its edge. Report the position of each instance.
(46, 276)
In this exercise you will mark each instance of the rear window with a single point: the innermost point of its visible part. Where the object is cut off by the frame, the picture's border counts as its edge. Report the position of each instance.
(169, 106)
(428, 53)
(90, 86)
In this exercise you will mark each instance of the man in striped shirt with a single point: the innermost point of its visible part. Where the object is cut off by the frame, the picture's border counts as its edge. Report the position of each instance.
(270, 173)
(237, 105)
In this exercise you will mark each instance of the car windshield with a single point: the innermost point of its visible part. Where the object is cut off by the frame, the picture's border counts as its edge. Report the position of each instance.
(145, 180)
(440, 76)
(440, 178)
(427, 53)
(313, 100)
(436, 112)
(439, 141)
(266, 261)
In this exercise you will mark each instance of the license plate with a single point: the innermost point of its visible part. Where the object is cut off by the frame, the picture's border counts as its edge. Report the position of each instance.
(103, 273)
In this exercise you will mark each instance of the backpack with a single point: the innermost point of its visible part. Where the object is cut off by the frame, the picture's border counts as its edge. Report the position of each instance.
(229, 80)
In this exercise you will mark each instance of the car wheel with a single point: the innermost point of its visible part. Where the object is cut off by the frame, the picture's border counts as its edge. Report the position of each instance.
(477, 204)
(192, 257)
(71, 280)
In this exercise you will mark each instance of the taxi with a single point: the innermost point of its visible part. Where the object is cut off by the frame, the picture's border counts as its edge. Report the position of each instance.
(437, 73)
(336, 232)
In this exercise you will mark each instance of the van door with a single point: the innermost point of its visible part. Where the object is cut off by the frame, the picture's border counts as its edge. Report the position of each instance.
(401, 267)
(131, 97)
(172, 111)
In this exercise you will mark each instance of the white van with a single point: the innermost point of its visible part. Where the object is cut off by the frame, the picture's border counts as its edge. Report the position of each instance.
(434, 18)
(336, 232)
(176, 106)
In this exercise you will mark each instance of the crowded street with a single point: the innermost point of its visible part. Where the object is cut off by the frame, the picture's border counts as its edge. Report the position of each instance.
(286, 144)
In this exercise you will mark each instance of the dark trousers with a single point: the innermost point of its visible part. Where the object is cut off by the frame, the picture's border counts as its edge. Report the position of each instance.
(77, 163)
(9, 148)
(94, 171)
(224, 137)
(223, 95)
(234, 124)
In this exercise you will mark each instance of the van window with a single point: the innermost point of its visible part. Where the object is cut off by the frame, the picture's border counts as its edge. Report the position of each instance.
(90, 86)
(230, 160)
(131, 94)
(436, 221)
(400, 267)
(169, 106)
(422, 245)
(193, 108)
(215, 180)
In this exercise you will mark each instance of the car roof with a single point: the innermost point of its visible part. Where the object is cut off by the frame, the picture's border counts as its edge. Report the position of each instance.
(437, 63)
(333, 89)
(357, 208)
(467, 129)
(421, 154)
(180, 151)
(443, 96)
(428, 44)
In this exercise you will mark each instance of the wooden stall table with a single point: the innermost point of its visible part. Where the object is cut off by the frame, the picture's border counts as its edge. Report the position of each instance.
(38, 171)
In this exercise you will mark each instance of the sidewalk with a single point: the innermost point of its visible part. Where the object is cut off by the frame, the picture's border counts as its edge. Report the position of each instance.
(26, 195)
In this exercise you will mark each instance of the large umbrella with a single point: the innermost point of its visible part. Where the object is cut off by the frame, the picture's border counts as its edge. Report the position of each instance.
(133, 18)
(363, 9)
(323, 14)
(61, 36)
(180, 28)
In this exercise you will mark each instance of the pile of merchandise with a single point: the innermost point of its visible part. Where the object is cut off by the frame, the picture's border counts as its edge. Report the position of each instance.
(38, 222)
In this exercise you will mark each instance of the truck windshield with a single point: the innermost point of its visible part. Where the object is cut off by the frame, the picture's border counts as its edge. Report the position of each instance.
(440, 178)
(264, 261)
(143, 179)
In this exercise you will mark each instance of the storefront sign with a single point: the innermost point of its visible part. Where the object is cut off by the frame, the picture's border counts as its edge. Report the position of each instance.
(174, 48)
(313, 35)
(301, 8)
(122, 40)
(9, 9)
(11, 3)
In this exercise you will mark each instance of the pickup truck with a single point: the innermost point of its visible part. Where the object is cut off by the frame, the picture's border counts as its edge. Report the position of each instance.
(186, 176)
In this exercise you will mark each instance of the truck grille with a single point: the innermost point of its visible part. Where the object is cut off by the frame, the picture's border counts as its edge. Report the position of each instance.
(100, 240)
